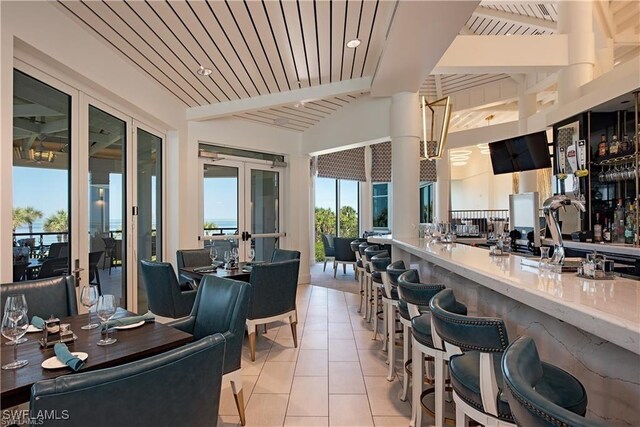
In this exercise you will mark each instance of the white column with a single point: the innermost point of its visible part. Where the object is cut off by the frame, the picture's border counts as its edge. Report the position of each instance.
(366, 195)
(6, 149)
(300, 213)
(405, 165)
(443, 188)
(526, 107)
(575, 18)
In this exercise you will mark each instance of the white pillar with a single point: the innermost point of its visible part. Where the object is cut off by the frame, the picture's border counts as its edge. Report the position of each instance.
(366, 195)
(443, 188)
(405, 165)
(526, 107)
(6, 149)
(299, 216)
(575, 18)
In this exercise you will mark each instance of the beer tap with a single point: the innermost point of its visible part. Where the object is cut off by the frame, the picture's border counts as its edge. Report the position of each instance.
(550, 209)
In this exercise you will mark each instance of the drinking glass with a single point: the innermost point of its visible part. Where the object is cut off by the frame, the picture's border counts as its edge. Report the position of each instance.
(544, 258)
(17, 303)
(89, 298)
(106, 309)
(251, 254)
(235, 255)
(14, 326)
(213, 254)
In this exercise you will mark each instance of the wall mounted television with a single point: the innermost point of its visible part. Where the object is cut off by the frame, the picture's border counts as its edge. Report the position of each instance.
(523, 153)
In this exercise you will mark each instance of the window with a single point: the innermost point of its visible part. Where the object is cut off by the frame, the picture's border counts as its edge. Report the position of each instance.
(426, 202)
(381, 205)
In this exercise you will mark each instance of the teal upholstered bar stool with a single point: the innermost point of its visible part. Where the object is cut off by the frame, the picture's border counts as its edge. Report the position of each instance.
(355, 247)
(425, 343)
(390, 301)
(364, 300)
(379, 280)
(523, 372)
(475, 346)
(370, 291)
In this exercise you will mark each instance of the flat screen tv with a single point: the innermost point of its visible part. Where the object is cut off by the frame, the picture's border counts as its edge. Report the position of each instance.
(522, 153)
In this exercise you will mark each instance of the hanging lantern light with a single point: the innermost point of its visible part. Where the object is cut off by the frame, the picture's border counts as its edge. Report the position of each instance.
(433, 146)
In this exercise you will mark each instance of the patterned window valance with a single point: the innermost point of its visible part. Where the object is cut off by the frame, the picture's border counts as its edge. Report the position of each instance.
(381, 164)
(347, 164)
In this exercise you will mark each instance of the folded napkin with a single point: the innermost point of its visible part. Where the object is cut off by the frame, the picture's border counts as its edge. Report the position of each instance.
(247, 268)
(207, 269)
(37, 322)
(130, 320)
(64, 355)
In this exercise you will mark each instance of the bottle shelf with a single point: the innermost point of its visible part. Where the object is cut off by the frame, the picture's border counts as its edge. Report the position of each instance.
(616, 159)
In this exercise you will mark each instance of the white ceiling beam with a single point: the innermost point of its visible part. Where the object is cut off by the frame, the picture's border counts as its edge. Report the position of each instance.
(28, 142)
(535, 23)
(604, 18)
(628, 39)
(313, 93)
(33, 110)
(55, 126)
(420, 33)
(543, 84)
(102, 142)
(504, 54)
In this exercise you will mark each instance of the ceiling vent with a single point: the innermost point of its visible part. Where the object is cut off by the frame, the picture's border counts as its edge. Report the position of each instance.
(543, 9)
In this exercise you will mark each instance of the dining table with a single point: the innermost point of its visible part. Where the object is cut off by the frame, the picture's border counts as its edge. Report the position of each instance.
(242, 273)
(133, 343)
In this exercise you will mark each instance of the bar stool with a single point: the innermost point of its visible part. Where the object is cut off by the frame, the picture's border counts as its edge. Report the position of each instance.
(390, 300)
(412, 294)
(522, 371)
(359, 269)
(379, 279)
(372, 303)
(425, 342)
(363, 278)
(475, 346)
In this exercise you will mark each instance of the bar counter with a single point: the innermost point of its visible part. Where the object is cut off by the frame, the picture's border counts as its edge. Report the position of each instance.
(589, 328)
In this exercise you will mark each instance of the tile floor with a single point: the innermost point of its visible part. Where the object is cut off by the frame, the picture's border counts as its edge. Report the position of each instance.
(336, 376)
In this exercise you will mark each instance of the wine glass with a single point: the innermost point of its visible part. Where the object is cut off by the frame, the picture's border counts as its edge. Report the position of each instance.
(89, 298)
(14, 326)
(106, 309)
(227, 257)
(251, 254)
(213, 254)
(17, 303)
(235, 255)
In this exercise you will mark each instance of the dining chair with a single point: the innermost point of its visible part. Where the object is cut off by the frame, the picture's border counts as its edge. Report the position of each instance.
(274, 298)
(53, 267)
(109, 251)
(94, 276)
(180, 387)
(221, 306)
(329, 250)
(58, 250)
(19, 271)
(163, 290)
(280, 255)
(191, 258)
(54, 296)
(343, 254)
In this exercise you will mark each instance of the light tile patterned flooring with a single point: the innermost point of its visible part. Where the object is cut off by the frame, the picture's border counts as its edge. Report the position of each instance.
(336, 376)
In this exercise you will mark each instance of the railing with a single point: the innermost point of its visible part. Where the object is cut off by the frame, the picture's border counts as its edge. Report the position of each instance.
(219, 231)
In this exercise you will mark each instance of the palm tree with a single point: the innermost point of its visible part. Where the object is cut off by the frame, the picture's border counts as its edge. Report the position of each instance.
(208, 227)
(59, 222)
(18, 218)
(30, 215)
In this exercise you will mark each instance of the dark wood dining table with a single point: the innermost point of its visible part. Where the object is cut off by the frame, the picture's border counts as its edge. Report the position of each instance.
(235, 274)
(133, 344)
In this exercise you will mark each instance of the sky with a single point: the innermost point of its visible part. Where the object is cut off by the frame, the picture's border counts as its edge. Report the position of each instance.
(44, 189)
(220, 199)
(326, 193)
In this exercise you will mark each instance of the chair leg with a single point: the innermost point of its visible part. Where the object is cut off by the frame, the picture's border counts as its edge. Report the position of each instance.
(365, 310)
(238, 395)
(360, 281)
(374, 308)
(252, 345)
(98, 281)
(335, 268)
(406, 342)
(325, 265)
(391, 348)
(265, 328)
(294, 332)
(416, 370)
(439, 390)
(344, 268)
(385, 328)
(461, 418)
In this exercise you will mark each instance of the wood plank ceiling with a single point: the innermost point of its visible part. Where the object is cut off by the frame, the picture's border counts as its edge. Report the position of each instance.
(252, 47)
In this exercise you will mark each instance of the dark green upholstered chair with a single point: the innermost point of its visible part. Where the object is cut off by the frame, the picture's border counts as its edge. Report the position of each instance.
(369, 252)
(329, 250)
(280, 255)
(178, 388)
(274, 298)
(165, 297)
(221, 307)
(523, 372)
(45, 297)
(343, 254)
(476, 346)
(191, 258)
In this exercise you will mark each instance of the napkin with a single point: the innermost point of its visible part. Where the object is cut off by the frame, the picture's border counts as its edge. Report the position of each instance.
(64, 355)
(130, 320)
(37, 322)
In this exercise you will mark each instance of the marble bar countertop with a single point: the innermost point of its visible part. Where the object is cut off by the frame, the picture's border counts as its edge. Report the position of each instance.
(611, 248)
(609, 309)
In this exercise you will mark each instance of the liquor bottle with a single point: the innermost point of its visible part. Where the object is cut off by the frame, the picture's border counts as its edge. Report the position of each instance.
(630, 224)
(625, 145)
(602, 146)
(597, 230)
(614, 145)
(617, 231)
(606, 231)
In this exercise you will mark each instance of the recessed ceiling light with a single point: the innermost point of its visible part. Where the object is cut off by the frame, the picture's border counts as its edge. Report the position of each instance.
(460, 152)
(483, 146)
(203, 71)
(508, 34)
(299, 104)
(485, 151)
(459, 163)
(352, 44)
(281, 121)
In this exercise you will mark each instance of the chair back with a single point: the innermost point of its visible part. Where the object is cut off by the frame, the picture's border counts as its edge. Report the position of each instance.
(94, 259)
(21, 254)
(280, 255)
(193, 257)
(45, 297)
(342, 249)
(19, 271)
(274, 288)
(180, 387)
(362, 247)
(53, 267)
(416, 295)
(521, 370)
(163, 289)
(221, 306)
(327, 244)
(58, 250)
(394, 270)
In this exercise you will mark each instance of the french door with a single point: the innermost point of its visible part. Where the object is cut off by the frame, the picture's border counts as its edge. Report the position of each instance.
(240, 208)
